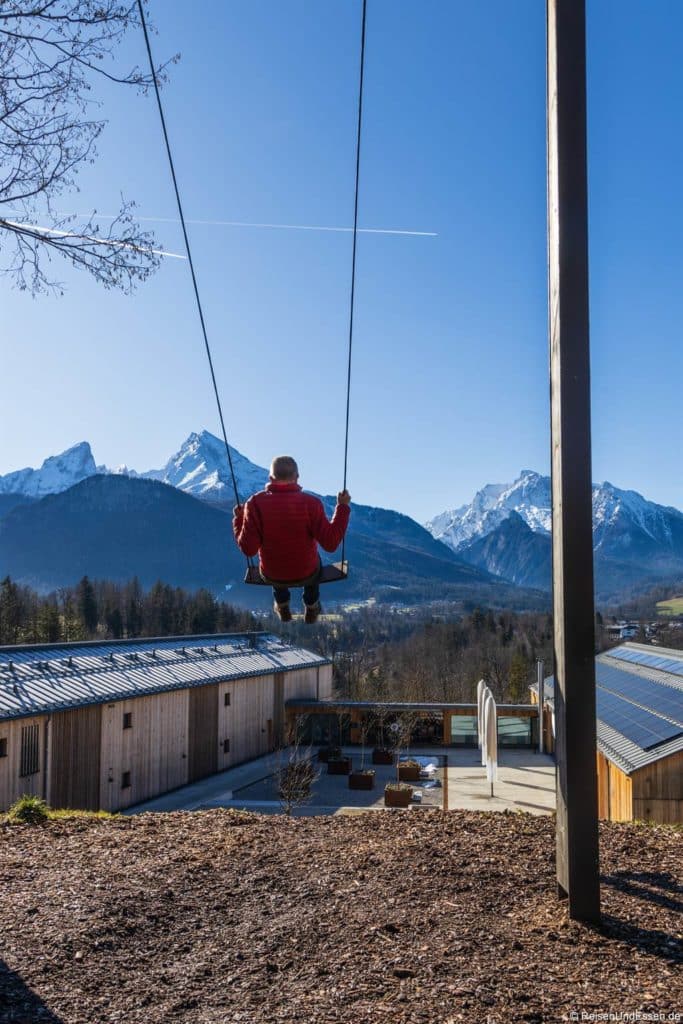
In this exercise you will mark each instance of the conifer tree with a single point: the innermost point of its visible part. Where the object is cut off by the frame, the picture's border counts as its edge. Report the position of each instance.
(86, 606)
(10, 612)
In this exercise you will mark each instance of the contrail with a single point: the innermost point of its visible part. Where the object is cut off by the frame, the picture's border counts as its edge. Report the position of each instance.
(91, 238)
(252, 224)
(290, 227)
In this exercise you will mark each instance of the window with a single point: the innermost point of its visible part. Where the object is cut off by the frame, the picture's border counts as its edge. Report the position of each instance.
(3, 747)
(29, 763)
(226, 700)
(125, 780)
(127, 719)
(514, 731)
(464, 730)
(226, 746)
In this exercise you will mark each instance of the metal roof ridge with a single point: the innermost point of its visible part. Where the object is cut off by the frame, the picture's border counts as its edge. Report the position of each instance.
(92, 644)
(649, 649)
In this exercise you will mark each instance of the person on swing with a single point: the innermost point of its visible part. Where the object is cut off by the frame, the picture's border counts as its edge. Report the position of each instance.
(284, 527)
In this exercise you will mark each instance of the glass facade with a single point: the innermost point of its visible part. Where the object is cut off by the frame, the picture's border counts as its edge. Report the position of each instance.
(513, 731)
(464, 730)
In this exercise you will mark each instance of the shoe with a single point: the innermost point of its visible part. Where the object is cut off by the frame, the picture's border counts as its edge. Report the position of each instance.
(312, 612)
(283, 612)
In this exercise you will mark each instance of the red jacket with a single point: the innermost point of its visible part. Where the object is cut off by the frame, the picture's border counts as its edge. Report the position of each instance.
(284, 527)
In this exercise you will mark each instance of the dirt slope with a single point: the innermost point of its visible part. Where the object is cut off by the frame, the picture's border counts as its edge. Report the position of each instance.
(400, 917)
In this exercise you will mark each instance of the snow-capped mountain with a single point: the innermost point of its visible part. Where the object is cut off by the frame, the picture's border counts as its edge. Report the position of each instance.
(620, 518)
(56, 474)
(634, 539)
(529, 496)
(624, 522)
(200, 467)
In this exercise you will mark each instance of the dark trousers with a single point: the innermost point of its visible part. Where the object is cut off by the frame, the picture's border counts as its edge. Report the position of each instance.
(311, 594)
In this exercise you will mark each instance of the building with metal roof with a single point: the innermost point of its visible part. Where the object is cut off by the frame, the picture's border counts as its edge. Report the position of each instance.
(639, 712)
(108, 724)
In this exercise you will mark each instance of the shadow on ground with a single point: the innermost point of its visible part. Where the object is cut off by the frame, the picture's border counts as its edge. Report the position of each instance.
(659, 888)
(18, 1004)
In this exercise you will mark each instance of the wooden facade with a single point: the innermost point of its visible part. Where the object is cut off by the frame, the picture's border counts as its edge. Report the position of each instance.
(651, 793)
(14, 782)
(74, 741)
(202, 738)
(113, 755)
(658, 791)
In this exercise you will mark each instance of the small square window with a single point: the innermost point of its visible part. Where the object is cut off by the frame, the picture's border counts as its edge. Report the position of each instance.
(125, 780)
(226, 746)
(128, 720)
(226, 700)
(3, 747)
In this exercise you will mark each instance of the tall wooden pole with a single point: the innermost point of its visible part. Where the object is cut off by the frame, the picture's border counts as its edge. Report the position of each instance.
(577, 793)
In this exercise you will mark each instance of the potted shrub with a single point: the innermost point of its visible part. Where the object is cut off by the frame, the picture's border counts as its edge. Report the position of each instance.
(297, 773)
(333, 751)
(325, 754)
(397, 794)
(363, 778)
(409, 771)
(338, 765)
(382, 754)
(399, 733)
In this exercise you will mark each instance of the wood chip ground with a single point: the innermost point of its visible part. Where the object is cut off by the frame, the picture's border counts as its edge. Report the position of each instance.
(407, 916)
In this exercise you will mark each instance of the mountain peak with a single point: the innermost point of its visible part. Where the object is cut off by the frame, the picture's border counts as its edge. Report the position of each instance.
(200, 467)
(528, 495)
(56, 474)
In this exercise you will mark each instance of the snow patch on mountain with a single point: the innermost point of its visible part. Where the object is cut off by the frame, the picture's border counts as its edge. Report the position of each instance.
(200, 467)
(614, 509)
(621, 519)
(529, 496)
(57, 473)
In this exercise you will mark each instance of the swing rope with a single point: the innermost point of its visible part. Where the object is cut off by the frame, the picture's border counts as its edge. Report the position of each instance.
(188, 250)
(353, 255)
(189, 254)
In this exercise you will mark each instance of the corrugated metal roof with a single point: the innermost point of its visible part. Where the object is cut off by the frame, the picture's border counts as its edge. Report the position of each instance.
(55, 677)
(626, 754)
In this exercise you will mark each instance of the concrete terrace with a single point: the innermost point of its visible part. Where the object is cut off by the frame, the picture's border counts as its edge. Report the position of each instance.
(526, 782)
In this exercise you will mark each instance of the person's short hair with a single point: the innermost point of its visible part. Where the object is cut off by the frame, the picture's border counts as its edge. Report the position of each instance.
(283, 467)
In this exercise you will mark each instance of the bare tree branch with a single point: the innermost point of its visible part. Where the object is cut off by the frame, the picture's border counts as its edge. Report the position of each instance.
(51, 52)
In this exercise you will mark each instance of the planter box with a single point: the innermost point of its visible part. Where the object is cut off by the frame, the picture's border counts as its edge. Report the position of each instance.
(325, 753)
(339, 766)
(398, 797)
(409, 772)
(382, 756)
(362, 780)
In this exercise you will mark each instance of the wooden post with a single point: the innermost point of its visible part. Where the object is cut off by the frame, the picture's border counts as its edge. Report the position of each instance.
(577, 818)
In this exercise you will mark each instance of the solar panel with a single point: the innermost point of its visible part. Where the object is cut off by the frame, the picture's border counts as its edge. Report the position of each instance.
(641, 727)
(663, 700)
(660, 661)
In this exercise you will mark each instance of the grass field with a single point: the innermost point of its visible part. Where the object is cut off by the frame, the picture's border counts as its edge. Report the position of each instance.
(674, 606)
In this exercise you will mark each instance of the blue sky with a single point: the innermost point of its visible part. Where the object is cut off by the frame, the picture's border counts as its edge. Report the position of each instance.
(450, 387)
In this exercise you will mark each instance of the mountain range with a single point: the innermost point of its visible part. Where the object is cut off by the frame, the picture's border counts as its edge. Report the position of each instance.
(199, 467)
(72, 517)
(506, 530)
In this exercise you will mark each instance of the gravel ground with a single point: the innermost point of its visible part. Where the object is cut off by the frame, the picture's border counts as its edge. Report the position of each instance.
(427, 917)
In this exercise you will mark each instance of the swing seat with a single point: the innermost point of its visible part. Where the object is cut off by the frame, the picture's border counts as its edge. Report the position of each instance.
(328, 574)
